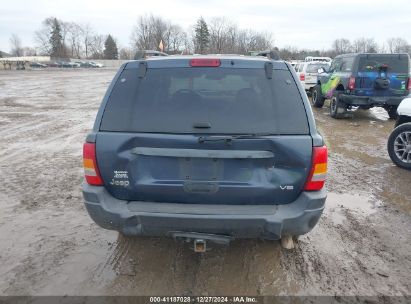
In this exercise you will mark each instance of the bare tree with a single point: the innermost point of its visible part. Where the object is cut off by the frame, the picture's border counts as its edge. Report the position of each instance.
(42, 37)
(125, 53)
(263, 41)
(148, 32)
(174, 39)
(364, 45)
(226, 37)
(141, 34)
(219, 28)
(65, 28)
(290, 52)
(16, 48)
(341, 46)
(91, 41)
(398, 45)
(96, 46)
(74, 37)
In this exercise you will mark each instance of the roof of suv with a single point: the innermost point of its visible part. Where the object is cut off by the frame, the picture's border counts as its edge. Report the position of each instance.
(227, 61)
(373, 54)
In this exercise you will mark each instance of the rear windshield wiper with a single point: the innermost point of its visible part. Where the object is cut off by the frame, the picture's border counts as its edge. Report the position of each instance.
(229, 138)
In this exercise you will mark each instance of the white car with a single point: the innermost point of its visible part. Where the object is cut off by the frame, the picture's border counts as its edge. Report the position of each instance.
(96, 64)
(307, 73)
(322, 59)
(399, 142)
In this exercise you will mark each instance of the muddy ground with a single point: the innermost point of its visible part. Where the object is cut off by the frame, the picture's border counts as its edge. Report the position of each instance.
(50, 246)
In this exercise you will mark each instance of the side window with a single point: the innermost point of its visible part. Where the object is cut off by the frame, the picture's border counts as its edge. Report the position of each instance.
(336, 65)
(347, 63)
(297, 66)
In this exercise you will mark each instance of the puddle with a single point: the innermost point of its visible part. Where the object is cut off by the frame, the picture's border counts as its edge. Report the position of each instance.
(337, 204)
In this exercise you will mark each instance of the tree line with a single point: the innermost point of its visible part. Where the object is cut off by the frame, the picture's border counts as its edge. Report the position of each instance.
(344, 46)
(219, 35)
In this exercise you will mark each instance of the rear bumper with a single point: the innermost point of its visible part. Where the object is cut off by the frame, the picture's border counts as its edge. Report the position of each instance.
(372, 101)
(241, 221)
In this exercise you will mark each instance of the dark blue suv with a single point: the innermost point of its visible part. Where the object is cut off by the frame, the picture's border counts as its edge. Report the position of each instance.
(212, 147)
(364, 80)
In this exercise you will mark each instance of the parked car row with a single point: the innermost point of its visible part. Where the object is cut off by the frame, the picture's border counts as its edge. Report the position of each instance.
(67, 64)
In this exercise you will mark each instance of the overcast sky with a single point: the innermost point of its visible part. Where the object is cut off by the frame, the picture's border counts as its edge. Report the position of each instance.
(305, 24)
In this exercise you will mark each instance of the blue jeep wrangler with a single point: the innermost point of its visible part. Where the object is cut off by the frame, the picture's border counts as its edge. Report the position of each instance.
(364, 80)
(205, 148)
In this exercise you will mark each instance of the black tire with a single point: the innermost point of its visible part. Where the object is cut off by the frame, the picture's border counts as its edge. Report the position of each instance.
(392, 111)
(400, 137)
(337, 107)
(317, 97)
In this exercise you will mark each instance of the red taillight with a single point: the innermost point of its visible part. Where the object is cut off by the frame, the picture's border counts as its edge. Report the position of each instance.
(205, 62)
(91, 172)
(409, 84)
(302, 77)
(318, 173)
(351, 83)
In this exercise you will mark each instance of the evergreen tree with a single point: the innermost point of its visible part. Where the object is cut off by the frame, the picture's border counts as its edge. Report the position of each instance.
(56, 40)
(110, 48)
(202, 36)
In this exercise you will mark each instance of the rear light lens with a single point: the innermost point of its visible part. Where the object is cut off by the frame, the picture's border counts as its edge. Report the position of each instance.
(91, 172)
(318, 173)
(409, 84)
(351, 83)
(302, 77)
(205, 62)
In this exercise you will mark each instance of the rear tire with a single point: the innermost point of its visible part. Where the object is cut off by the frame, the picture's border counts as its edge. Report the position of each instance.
(392, 111)
(337, 107)
(399, 146)
(317, 97)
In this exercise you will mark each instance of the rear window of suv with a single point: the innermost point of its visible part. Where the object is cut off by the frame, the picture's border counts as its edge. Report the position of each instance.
(226, 100)
(313, 67)
(393, 63)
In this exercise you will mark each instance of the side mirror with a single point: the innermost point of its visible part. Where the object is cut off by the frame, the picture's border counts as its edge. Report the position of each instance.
(321, 70)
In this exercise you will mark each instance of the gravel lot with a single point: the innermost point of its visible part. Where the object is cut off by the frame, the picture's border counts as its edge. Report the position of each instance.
(50, 246)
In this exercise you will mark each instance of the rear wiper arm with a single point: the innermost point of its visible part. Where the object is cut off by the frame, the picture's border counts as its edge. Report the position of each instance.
(229, 138)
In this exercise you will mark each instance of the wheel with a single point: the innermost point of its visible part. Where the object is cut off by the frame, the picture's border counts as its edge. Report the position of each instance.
(392, 111)
(317, 97)
(399, 146)
(337, 107)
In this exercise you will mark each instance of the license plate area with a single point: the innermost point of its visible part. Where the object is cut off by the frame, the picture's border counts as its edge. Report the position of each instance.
(201, 169)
